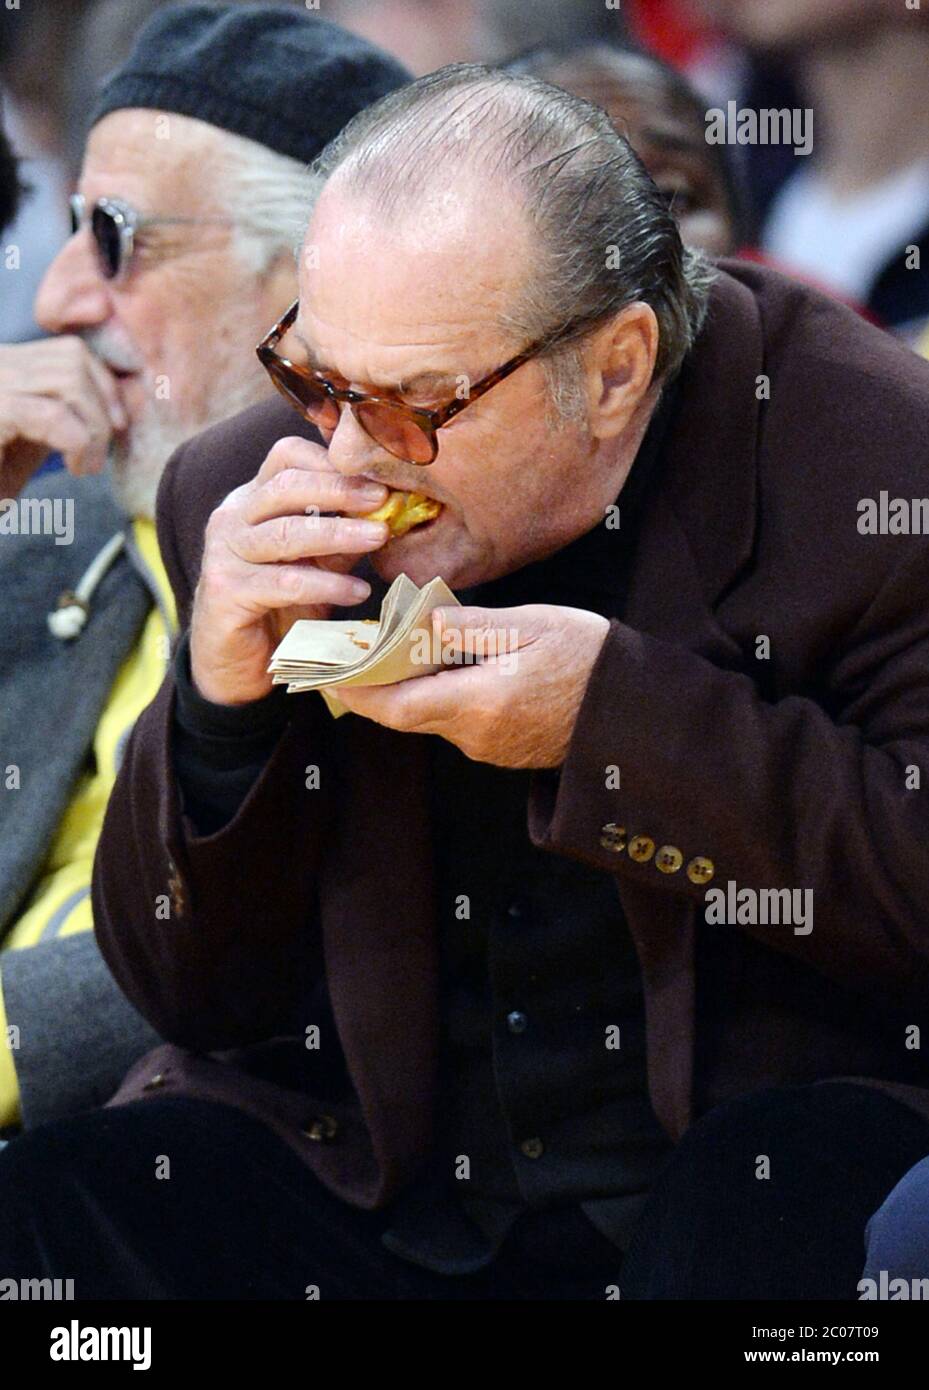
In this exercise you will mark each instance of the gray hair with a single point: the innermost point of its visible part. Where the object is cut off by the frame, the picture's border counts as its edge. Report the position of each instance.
(266, 195)
(605, 235)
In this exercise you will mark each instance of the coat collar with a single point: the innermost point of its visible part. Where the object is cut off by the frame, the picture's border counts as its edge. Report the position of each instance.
(710, 475)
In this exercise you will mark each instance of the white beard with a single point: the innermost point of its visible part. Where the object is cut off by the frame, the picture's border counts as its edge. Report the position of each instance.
(138, 463)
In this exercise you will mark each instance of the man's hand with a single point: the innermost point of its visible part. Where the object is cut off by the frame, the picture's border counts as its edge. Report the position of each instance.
(267, 562)
(517, 707)
(54, 394)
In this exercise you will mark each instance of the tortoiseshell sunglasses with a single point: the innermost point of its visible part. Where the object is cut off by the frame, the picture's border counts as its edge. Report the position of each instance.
(406, 431)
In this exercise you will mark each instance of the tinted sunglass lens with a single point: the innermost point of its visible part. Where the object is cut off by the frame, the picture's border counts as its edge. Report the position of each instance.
(311, 400)
(396, 433)
(108, 242)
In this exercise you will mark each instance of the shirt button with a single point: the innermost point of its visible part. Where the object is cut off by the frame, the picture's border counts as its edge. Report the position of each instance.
(532, 1148)
(701, 869)
(517, 1022)
(669, 859)
(613, 837)
(154, 1082)
(641, 848)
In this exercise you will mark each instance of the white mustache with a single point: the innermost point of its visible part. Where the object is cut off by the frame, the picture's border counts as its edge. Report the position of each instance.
(110, 351)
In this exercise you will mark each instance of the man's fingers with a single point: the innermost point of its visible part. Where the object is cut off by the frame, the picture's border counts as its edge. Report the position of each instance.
(423, 704)
(105, 386)
(304, 537)
(294, 452)
(47, 421)
(294, 586)
(291, 491)
(65, 369)
(479, 632)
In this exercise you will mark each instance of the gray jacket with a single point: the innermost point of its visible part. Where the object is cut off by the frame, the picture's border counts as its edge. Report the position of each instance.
(77, 1033)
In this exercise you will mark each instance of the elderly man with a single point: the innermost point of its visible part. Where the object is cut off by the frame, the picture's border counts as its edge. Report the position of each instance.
(454, 988)
(186, 217)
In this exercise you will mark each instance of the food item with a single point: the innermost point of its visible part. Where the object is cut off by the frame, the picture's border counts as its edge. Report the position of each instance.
(404, 510)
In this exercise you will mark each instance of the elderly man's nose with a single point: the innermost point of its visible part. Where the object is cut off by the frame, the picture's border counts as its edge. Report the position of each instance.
(351, 449)
(73, 293)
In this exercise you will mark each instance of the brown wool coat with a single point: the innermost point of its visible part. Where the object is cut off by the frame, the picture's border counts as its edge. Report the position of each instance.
(787, 771)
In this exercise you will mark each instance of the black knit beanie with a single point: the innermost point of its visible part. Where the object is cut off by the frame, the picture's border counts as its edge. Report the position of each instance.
(272, 73)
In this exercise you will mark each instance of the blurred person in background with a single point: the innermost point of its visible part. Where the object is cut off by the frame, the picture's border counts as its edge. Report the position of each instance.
(33, 42)
(426, 34)
(187, 214)
(854, 216)
(53, 59)
(11, 188)
(662, 117)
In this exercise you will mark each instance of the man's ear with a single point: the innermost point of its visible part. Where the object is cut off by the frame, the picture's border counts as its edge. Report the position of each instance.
(620, 368)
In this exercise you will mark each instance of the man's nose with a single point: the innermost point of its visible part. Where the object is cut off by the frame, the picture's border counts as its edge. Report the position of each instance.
(73, 294)
(352, 450)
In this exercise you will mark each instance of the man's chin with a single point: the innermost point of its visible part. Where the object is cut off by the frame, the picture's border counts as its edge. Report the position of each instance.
(396, 559)
(426, 553)
(134, 482)
(140, 456)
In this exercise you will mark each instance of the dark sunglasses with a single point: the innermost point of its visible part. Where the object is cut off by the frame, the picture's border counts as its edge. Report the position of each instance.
(114, 225)
(406, 431)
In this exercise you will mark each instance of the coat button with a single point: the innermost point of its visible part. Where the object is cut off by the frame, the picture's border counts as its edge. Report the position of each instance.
(700, 870)
(669, 859)
(641, 848)
(613, 837)
(322, 1129)
(154, 1082)
(176, 890)
(517, 1022)
(532, 1148)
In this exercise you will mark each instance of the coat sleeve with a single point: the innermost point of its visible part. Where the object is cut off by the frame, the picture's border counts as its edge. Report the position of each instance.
(212, 937)
(811, 794)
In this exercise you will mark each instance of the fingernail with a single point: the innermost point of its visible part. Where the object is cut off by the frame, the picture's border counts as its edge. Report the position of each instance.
(360, 589)
(374, 493)
(374, 530)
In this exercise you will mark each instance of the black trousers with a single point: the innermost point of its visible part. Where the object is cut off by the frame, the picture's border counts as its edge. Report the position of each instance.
(766, 1197)
(235, 1214)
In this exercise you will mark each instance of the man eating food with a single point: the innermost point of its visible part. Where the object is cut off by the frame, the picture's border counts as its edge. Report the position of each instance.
(446, 1014)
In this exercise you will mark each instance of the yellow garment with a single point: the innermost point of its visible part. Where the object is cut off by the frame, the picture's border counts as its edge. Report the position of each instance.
(923, 345)
(59, 904)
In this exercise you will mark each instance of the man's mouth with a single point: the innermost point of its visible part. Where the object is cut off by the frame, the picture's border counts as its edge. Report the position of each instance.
(406, 511)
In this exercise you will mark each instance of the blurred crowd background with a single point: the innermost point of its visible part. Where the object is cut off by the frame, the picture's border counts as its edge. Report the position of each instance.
(852, 215)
